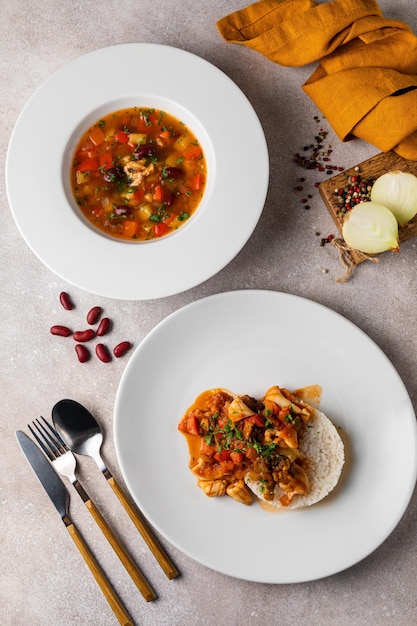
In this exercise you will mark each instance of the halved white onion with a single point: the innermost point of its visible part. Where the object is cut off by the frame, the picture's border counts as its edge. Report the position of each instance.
(371, 228)
(398, 192)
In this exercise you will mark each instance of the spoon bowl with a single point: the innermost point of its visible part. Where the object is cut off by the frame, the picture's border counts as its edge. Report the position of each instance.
(79, 429)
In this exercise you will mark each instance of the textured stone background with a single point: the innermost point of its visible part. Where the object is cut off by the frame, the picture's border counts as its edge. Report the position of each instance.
(43, 581)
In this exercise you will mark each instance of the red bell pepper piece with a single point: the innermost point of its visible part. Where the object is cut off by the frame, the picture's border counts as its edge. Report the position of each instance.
(121, 137)
(223, 455)
(158, 194)
(160, 229)
(236, 457)
(105, 159)
(87, 165)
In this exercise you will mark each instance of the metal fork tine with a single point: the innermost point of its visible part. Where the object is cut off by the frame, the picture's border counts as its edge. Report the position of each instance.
(55, 433)
(50, 456)
(47, 439)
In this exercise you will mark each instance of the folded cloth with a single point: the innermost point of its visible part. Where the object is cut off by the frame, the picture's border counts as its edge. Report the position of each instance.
(366, 80)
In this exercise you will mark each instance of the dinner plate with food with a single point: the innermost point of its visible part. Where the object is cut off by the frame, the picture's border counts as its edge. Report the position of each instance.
(137, 175)
(266, 436)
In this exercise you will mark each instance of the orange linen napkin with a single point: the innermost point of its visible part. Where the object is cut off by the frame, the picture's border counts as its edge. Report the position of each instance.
(366, 80)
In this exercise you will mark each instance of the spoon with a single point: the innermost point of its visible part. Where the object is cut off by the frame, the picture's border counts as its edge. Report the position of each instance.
(83, 434)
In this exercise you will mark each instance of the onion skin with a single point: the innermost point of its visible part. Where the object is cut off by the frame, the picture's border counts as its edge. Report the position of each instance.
(371, 228)
(398, 192)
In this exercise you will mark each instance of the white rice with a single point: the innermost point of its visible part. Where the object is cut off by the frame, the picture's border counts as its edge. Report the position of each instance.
(322, 445)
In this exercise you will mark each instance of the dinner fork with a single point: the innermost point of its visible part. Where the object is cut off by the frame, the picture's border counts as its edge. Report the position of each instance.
(65, 463)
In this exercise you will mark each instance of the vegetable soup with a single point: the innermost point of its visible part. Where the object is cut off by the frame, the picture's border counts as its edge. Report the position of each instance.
(138, 174)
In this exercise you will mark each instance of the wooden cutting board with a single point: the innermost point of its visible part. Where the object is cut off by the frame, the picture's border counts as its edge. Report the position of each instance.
(372, 168)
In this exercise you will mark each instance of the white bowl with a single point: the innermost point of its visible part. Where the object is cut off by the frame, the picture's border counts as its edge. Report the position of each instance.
(106, 80)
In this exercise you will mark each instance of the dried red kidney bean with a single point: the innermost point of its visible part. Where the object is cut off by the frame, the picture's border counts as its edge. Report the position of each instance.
(122, 210)
(121, 348)
(103, 353)
(84, 335)
(61, 331)
(66, 301)
(93, 315)
(144, 150)
(103, 327)
(82, 353)
(171, 172)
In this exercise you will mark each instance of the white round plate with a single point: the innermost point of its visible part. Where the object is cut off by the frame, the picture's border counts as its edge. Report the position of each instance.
(113, 78)
(248, 341)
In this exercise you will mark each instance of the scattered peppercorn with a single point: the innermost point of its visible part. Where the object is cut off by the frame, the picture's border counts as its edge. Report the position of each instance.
(327, 239)
(317, 156)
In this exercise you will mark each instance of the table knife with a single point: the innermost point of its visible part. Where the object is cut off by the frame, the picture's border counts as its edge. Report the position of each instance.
(59, 495)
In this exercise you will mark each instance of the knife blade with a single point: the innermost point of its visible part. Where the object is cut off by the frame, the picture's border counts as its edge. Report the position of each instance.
(50, 480)
(59, 495)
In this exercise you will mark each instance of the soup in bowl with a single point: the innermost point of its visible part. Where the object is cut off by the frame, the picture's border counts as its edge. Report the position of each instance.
(138, 174)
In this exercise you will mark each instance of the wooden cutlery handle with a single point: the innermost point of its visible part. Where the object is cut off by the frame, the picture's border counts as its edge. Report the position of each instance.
(100, 577)
(137, 576)
(144, 529)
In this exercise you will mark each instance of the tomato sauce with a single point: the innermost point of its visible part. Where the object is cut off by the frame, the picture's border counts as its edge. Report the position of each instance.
(138, 174)
(232, 437)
